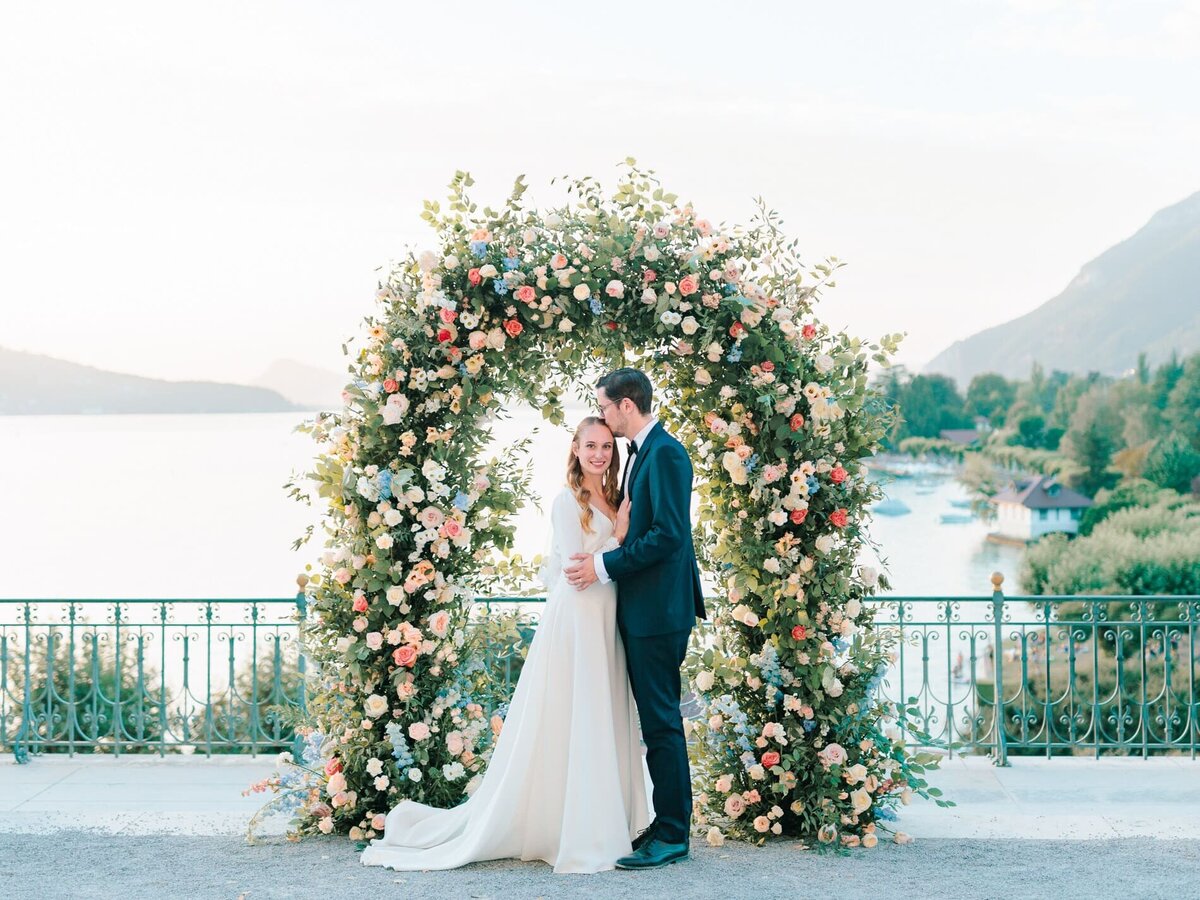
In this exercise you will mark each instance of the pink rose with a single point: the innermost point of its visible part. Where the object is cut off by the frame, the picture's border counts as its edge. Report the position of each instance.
(374, 640)
(448, 315)
(513, 327)
(808, 332)
(477, 340)
(333, 765)
(734, 806)
(451, 528)
(526, 293)
(558, 261)
(839, 518)
(762, 824)
(832, 755)
(431, 517)
(405, 656)
(688, 285)
(360, 603)
(770, 758)
(649, 276)
(418, 731)
(343, 575)
(838, 475)
(379, 821)
(474, 277)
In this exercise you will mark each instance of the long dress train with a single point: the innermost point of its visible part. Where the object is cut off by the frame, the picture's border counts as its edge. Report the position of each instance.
(566, 783)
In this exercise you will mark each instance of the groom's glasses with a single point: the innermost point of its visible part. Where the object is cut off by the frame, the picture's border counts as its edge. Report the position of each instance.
(603, 406)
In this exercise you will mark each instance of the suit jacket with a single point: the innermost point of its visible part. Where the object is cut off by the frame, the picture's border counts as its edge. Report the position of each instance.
(658, 579)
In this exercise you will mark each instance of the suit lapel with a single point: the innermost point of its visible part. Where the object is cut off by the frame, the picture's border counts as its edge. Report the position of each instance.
(641, 455)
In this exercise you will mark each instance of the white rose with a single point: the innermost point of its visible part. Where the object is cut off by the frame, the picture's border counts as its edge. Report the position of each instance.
(553, 220)
(581, 292)
(853, 608)
(450, 262)
(825, 543)
(393, 517)
(690, 325)
(868, 576)
(376, 705)
(824, 362)
(565, 325)
(382, 782)
(528, 236)
(427, 261)
(394, 410)
(414, 775)
(705, 680)
(651, 253)
(777, 517)
(615, 289)
(649, 297)
(703, 377)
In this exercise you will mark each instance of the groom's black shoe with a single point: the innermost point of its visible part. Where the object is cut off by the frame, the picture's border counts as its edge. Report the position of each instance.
(653, 854)
(644, 835)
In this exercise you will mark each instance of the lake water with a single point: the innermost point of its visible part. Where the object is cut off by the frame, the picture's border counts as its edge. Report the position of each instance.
(194, 506)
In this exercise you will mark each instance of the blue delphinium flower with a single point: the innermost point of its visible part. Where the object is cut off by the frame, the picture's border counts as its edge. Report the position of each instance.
(510, 263)
(462, 370)
(813, 485)
(500, 286)
(751, 463)
(462, 501)
(734, 355)
(730, 289)
(385, 484)
(479, 248)
(400, 752)
(809, 725)
(596, 305)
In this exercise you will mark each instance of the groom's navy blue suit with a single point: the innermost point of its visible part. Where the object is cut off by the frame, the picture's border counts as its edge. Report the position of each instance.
(658, 600)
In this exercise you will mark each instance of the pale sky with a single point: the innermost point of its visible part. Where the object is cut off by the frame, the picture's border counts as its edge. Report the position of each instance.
(193, 192)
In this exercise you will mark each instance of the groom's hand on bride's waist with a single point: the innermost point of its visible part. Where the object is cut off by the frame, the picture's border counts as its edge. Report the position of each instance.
(583, 573)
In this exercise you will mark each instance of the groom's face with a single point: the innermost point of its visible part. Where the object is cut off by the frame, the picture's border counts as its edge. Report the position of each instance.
(614, 417)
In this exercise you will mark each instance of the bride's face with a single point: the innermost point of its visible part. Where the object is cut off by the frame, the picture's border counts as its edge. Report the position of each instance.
(595, 449)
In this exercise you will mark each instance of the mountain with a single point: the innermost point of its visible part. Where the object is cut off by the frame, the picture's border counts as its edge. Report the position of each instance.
(41, 385)
(1143, 295)
(308, 386)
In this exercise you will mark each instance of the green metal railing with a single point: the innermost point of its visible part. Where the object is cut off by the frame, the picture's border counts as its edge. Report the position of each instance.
(998, 675)
(1042, 675)
(138, 676)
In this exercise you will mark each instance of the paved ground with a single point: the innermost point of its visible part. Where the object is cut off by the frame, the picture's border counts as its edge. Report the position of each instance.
(142, 827)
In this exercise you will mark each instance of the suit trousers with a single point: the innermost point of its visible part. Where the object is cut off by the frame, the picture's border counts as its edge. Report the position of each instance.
(653, 663)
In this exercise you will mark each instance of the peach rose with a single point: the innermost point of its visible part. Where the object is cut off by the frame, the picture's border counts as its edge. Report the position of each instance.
(526, 293)
(734, 806)
(688, 285)
(405, 656)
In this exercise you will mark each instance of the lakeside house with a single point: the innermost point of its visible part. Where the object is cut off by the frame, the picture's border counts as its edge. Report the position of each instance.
(1030, 509)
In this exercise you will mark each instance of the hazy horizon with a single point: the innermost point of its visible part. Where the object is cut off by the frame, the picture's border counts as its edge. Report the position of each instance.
(194, 194)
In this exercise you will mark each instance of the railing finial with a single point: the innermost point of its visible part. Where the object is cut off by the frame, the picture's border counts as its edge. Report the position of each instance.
(997, 580)
(302, 581)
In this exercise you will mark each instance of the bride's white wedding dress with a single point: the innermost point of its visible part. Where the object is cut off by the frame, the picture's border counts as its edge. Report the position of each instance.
(566, 783)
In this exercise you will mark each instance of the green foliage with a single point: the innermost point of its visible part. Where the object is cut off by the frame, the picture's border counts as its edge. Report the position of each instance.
(990, 395)
(1092, 437)
(1173, 462)
(1135, 550)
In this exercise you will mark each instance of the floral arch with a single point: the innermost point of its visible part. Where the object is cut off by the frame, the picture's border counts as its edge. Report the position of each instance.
(777, 414)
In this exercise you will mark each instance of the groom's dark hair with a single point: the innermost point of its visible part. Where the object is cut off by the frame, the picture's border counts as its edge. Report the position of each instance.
(631, 383)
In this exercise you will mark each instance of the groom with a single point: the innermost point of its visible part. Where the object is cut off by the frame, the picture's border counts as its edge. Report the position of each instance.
(657, 604)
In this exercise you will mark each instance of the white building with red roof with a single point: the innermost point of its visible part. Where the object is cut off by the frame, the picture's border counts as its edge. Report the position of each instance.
(1028, 510)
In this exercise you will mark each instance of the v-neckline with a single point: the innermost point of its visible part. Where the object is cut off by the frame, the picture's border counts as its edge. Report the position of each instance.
(611, 521)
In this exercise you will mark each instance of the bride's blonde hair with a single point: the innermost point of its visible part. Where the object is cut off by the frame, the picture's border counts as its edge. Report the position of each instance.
(612, 491)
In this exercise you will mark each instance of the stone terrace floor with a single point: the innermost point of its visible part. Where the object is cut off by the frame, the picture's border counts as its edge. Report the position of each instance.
(141, 826)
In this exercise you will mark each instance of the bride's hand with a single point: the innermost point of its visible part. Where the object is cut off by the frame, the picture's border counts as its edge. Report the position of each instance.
(622, 526)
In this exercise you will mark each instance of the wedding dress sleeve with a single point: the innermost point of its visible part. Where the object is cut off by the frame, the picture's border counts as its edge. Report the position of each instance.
(566, 538)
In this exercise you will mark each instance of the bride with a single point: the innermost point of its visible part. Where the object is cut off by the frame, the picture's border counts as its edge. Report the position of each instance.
(566, 780)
